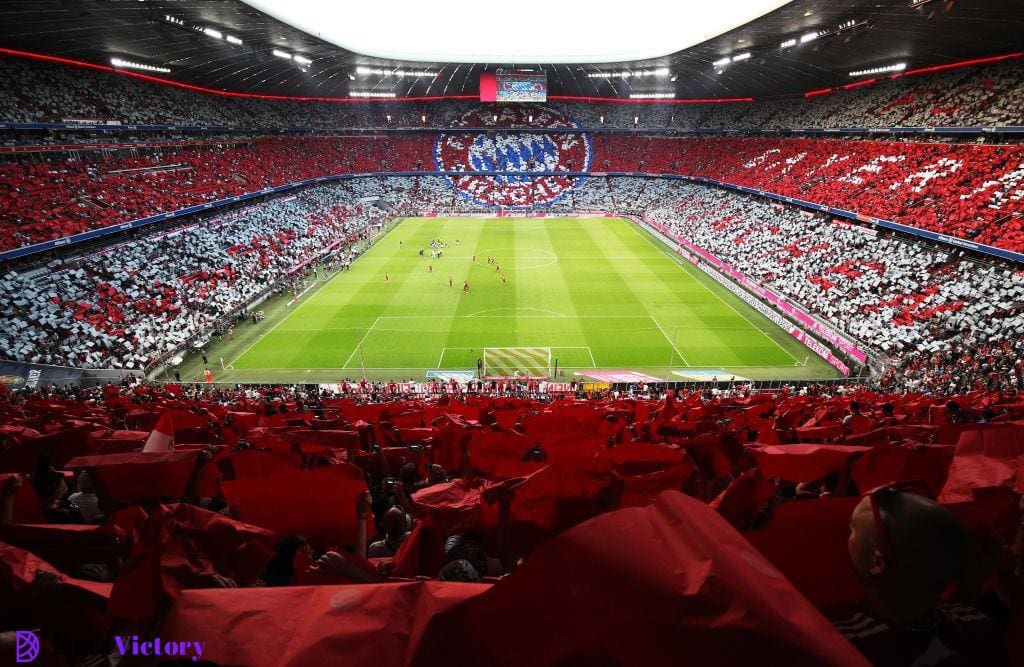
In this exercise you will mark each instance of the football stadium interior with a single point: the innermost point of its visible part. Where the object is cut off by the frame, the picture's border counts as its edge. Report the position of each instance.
(454, 334)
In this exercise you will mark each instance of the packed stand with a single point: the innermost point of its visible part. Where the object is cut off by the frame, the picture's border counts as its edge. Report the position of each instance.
(65, 194)
(929, 186)
(717, 528)
(984, 95)
(909, 302)
(132, 304)
(974, 192)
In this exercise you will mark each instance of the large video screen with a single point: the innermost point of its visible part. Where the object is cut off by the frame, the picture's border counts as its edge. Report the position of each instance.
(513, 86)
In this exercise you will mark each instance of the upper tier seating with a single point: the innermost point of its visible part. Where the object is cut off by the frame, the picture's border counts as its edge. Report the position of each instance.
(985, 95)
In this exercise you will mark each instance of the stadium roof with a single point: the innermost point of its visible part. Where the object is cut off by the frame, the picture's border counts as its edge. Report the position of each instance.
(802, 46)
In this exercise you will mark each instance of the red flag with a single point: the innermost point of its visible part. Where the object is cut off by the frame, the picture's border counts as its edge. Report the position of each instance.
(139, 476)
(59, 446)
(986, 456)
(119, 442)
(488, 450)
(318, 504)
(803, 462)
(19, 569)
(638, 459)
(181, 546)
(371, 624)
(337, 439)
(806, 540)
(26, 503)
(744, 499)
(67, 546)
(885, 464)
(640, 490)
(161, 439)
(254, 463)
(455, 505)
(555, 498)
(421, 553)
(668, 584)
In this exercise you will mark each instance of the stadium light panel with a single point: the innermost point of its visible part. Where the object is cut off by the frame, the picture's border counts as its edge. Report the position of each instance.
(652, 96)
(301, 60)
(377, 71)
(369, 94)
(809, 37)
(129, 64)
(216, 34)
(233, 40)
(897, 67)
(722, 62)
(788, 43)
(742, 56)
(661, 71)
(488, 32)
(281, 54)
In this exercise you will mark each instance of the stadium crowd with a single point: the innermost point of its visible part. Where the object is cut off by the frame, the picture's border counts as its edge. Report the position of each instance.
(942, 322)
(982, 95)
(947, 323)
(135, 303)
(64, 194)
(923, 185)
(453, 515)
(498, 523)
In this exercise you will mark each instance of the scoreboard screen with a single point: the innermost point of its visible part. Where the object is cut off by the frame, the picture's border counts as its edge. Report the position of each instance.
(510, 86)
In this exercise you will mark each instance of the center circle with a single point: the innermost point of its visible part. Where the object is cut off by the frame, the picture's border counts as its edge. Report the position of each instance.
(526, 258)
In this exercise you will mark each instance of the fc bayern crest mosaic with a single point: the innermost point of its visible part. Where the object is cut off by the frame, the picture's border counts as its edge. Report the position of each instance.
(518, 154)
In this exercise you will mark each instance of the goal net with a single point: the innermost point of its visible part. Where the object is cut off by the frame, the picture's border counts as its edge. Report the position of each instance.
(527, 361)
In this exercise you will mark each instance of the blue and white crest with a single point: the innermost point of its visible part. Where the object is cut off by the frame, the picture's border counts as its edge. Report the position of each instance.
(519, 156)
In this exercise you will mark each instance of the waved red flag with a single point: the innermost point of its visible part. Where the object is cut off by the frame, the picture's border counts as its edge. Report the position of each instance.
(668, 584)
(987, 455)
(372, 624)
(318, 503)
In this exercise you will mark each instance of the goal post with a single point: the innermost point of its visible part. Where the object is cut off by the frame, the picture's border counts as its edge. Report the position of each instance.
(528, 361)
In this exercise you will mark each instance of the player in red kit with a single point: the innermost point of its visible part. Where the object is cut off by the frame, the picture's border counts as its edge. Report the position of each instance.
(430, 268)
(465, 287)
(449, 281)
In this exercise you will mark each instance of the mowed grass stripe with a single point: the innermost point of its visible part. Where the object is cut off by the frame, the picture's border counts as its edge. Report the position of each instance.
(610, 293)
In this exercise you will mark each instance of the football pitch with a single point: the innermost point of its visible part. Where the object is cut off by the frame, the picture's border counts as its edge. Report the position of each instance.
(579, 293)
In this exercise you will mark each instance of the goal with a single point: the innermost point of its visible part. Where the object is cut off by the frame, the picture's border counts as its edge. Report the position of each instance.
(528, 361)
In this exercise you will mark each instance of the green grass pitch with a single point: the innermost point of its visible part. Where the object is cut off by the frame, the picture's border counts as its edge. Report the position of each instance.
(587, 292)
